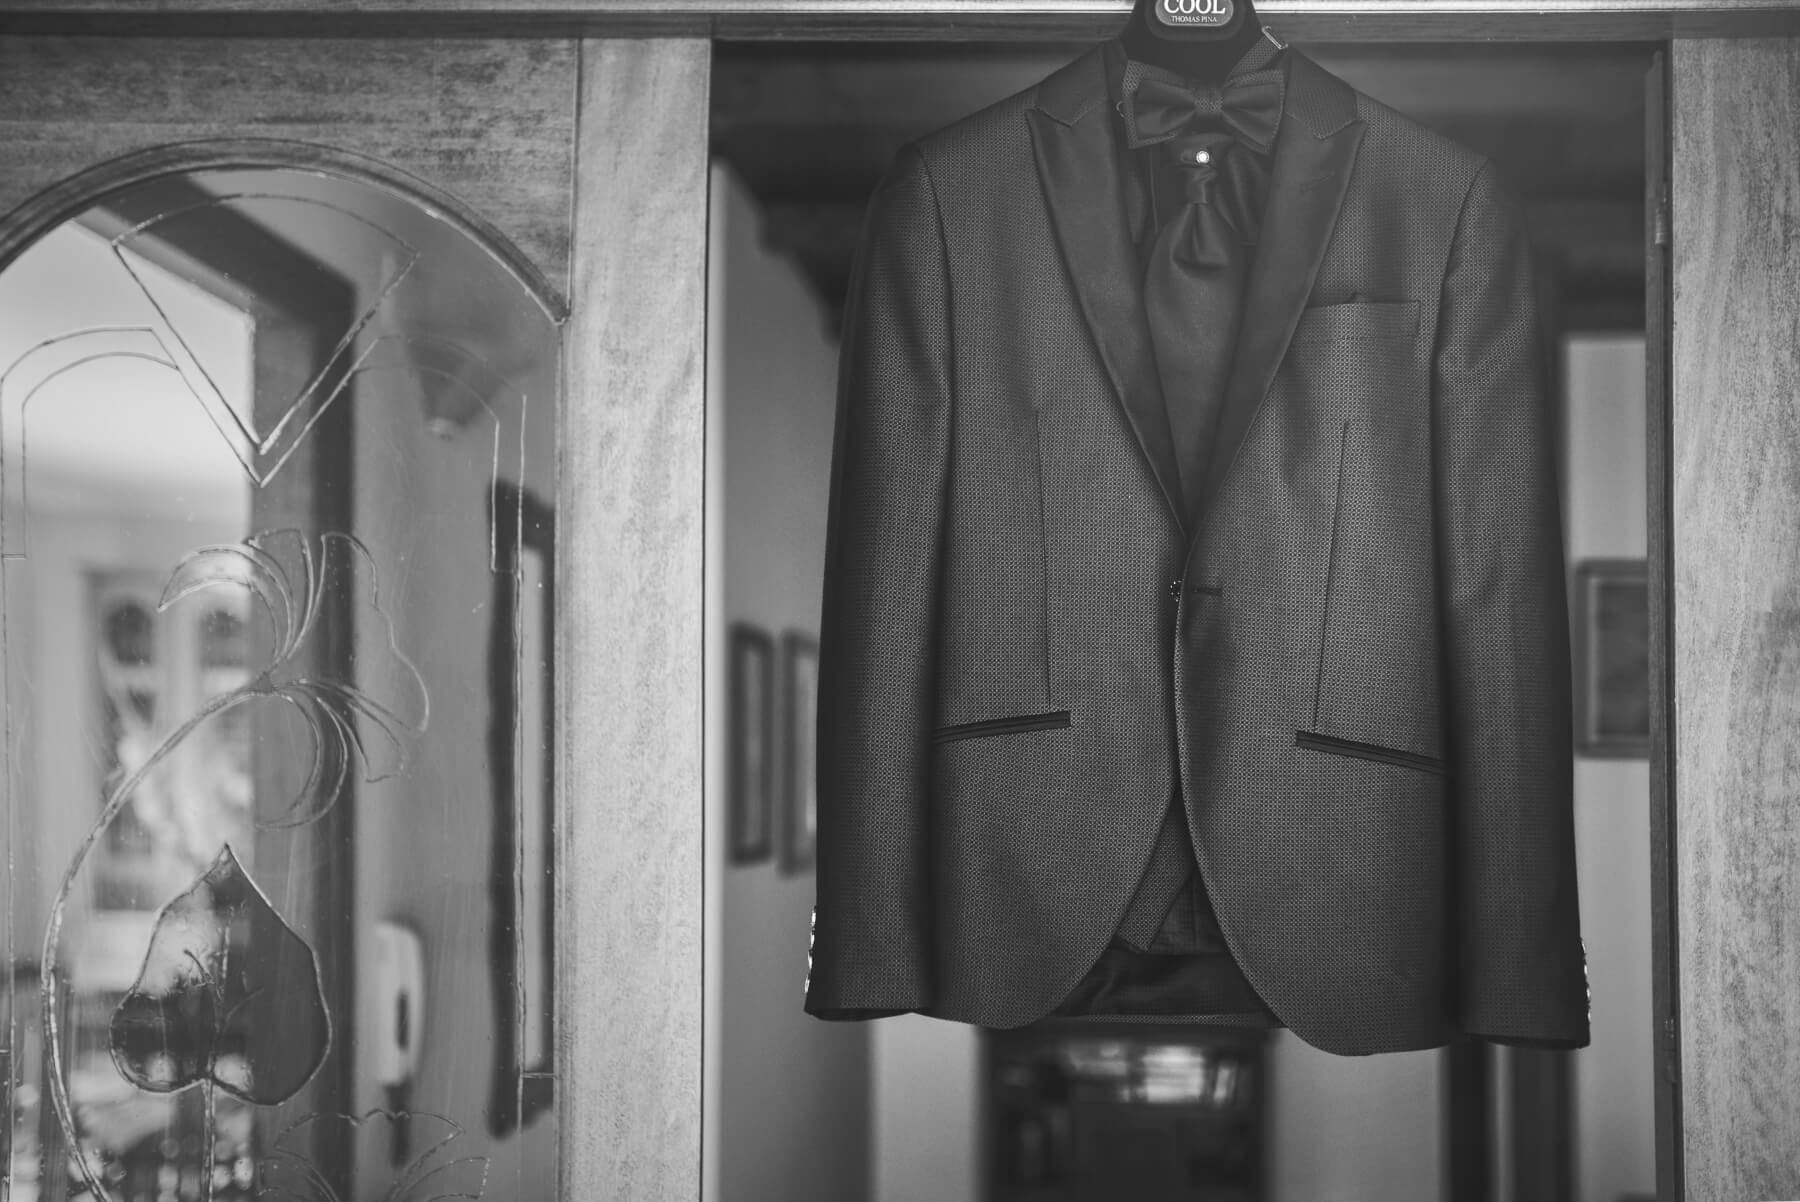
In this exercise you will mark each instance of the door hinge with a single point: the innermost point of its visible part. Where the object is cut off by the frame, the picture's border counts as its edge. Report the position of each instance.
(1671, 1046)
(1660, 232)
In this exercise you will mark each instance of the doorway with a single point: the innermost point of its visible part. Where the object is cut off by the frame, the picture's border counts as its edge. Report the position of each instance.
(801, 132)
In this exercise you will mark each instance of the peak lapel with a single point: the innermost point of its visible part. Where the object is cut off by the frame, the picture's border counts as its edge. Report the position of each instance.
(1314, 153)
(1078, 167)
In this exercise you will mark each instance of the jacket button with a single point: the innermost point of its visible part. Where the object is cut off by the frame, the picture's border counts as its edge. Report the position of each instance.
(1175, 588)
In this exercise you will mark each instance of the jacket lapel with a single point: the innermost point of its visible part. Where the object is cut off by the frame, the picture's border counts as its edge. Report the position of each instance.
(1078, 166)
(1314, 153)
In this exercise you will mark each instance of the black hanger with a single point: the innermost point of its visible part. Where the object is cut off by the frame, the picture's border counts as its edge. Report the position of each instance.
(1197, 51)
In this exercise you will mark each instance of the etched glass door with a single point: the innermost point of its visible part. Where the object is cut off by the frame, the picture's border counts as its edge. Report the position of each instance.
(277, 466)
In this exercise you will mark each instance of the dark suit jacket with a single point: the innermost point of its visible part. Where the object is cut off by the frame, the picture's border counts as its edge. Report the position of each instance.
(1354, 668)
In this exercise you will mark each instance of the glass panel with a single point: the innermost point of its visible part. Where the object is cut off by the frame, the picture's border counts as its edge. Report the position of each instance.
(276, 463)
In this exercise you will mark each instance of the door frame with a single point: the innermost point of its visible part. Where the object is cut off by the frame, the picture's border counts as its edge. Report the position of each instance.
(910, 20)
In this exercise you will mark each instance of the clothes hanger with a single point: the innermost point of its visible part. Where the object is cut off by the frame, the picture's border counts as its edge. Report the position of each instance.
(1181, 42)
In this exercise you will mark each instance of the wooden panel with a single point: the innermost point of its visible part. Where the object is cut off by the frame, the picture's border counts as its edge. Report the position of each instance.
(489, 122)
(1736, 557)
(630, 534)
(1333, 20)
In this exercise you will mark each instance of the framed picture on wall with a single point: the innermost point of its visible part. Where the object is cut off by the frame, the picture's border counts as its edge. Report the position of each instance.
(752, 758)
(1611, 646)
(800, 798)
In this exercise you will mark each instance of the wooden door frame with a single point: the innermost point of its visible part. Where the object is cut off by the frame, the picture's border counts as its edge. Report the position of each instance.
(909, 20)
(632, 486)
(1665, 961)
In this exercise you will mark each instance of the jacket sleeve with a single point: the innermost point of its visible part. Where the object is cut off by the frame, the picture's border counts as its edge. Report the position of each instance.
(1504, 608)
(871, 948)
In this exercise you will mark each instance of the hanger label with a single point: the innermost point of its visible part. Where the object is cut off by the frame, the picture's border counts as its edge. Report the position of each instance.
(1185, 14)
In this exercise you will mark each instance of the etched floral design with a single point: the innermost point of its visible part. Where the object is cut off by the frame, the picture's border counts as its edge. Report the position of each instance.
(371, 723)
(228, 994)
(294, 578)
(288, 1174)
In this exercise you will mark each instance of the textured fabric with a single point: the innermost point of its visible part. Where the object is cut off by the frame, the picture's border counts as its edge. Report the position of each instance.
(1152, 191)
(1169, 914)
(1196, 269)
(1154, 920)
(1360, 681)
(1193, 298)
(1248, 105)
(1157, 988)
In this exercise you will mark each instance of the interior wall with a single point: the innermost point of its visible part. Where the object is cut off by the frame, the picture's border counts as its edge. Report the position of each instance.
(1353, 1128)
(1615, 1151)
(791, 1115)
(927, 1099)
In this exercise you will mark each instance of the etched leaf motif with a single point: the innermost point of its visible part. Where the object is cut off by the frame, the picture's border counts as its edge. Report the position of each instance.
(294, 577)
(288, 1175)
(228, 993)
(209, 1005)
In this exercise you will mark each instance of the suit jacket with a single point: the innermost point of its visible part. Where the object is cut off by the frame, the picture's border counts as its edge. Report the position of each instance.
(1354, 666)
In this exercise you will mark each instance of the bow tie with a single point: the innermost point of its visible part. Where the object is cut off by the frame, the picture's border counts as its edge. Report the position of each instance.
(1249, 104)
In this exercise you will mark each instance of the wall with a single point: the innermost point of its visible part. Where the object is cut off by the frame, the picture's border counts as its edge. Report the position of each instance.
(927, 1110)
(788, 1116)
(1353, 1128)
(1614, 1150)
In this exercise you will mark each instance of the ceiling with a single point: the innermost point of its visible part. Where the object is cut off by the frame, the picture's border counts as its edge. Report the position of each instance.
(811, 126)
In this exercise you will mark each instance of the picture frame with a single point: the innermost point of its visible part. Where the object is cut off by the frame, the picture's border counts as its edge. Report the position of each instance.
(800, 709)
(1611, 649)
(751, 803)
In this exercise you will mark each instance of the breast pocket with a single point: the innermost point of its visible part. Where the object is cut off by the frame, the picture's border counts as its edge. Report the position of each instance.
(1356, 320)
(1362, 360)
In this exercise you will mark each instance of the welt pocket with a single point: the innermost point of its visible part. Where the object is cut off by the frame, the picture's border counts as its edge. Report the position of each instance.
(1358, 319)
(1000, 726)
(1367, 751)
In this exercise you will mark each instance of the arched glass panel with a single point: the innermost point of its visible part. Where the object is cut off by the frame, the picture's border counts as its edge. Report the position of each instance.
(276, 469)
